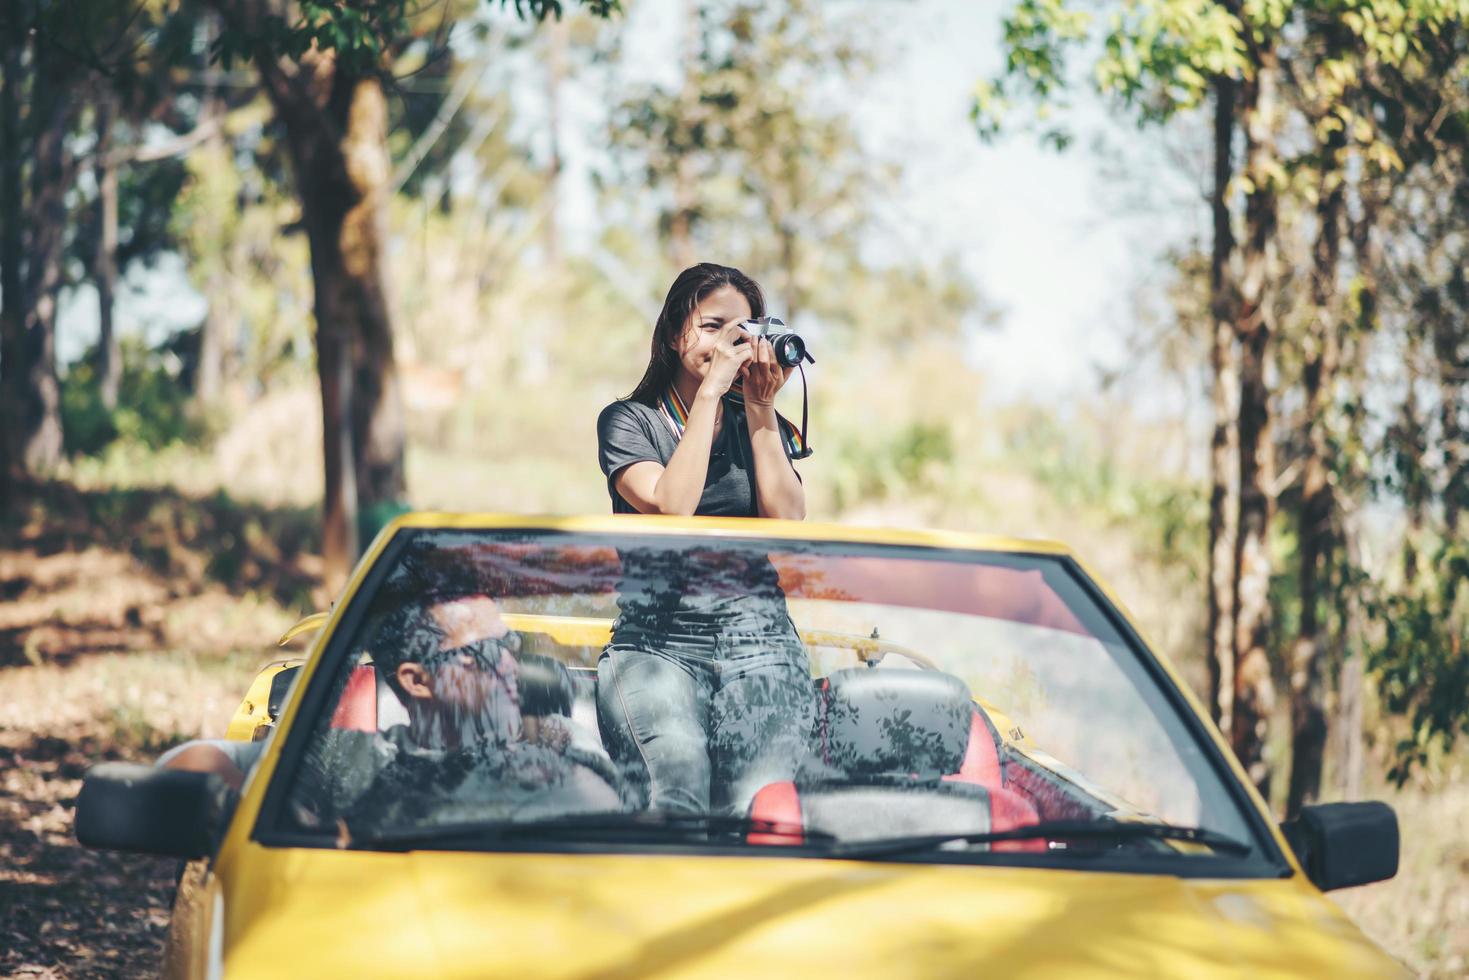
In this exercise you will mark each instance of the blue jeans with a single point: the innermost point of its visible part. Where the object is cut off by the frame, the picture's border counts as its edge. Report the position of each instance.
(711, 717)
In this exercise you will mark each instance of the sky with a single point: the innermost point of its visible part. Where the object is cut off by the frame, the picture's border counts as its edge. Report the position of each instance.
(1056, 243)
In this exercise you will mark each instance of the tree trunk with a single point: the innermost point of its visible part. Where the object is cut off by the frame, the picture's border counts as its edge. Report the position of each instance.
(1308, 681)
(50, 119)
(1451, 366)
(378, 434)
(339, 544)
(680, 232)
(1351, 748)
(215, 333)
(104, 263)
(1413, 448)
(12, 322)
(213, 341)
(1348, 737)
(1254, 688)
(337, 128)
(1224, 449)
(685, 198)
(788, 259)
(556, 39)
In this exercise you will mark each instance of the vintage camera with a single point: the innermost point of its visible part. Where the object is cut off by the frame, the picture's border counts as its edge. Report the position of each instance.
(790, 349)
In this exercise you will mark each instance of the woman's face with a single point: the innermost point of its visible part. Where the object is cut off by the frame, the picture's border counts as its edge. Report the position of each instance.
(720, 308)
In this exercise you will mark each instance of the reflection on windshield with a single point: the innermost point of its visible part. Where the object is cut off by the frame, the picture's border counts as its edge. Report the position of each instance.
(776, 692)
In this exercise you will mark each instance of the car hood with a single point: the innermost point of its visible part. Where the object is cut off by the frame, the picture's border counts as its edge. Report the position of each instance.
(335, 913)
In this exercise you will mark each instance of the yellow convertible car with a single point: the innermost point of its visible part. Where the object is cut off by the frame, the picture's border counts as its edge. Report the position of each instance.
(633, 746)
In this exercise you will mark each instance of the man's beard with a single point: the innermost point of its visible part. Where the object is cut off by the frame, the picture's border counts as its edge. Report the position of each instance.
(495, 721)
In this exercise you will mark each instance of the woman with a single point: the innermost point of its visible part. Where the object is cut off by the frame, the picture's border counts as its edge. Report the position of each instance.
(705, 681)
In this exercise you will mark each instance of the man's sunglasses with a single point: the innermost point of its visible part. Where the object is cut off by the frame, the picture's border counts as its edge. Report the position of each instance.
(482, 654)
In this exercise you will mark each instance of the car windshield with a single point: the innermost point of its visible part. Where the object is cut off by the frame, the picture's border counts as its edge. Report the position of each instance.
(719, 690)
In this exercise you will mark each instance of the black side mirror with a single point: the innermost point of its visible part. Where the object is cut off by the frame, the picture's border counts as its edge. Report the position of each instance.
(1344, 844)
(124, 806)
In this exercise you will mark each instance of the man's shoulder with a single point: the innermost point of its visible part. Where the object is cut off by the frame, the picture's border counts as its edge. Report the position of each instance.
(243, 755)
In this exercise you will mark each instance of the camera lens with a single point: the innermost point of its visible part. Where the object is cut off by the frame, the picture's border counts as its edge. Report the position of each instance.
(789, 349)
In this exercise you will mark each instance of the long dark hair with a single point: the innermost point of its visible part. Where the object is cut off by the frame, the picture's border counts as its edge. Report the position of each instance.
(688, 290)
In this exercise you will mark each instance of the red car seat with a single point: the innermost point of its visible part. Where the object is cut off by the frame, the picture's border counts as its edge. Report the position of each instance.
(897, 752)
(357, 708)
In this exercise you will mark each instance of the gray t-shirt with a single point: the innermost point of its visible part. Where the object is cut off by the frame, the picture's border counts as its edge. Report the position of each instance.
(677, 588)
(629, 432)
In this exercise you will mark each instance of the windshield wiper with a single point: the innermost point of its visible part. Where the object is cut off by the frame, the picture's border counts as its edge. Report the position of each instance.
(1059, 830)
(646, 825)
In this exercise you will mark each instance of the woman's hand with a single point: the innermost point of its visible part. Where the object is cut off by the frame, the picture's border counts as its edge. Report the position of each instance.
(729, 360)
(764, 375)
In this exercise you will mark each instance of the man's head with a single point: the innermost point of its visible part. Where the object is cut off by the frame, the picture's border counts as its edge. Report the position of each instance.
(450, 660)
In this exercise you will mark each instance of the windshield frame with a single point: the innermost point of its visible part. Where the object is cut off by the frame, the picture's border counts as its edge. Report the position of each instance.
(273, 829)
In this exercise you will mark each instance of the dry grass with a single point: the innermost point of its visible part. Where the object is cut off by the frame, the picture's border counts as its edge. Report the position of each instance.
(1422, 915)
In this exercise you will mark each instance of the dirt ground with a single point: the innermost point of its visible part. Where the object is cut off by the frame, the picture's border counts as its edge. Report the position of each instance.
(124, 629)
(67, 911)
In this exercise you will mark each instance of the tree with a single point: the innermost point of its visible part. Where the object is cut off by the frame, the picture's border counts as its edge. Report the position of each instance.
(1415, 289)
(1224, 402)
(745, 158)
(11, 245)
(1162, 58)
(1159, 58)
(39, 73)
(62, 61)
(1372, 86)
(324, 67)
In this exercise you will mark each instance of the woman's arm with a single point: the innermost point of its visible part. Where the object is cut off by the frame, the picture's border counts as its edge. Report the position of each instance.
(678, 487)
(778, 491)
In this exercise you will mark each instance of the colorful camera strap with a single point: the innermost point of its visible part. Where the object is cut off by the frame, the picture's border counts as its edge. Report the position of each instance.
(676, 414)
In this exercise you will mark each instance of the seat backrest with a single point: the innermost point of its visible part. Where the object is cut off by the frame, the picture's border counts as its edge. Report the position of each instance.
(981, 763)
(880, 722)
(357, 708)
(874, 725)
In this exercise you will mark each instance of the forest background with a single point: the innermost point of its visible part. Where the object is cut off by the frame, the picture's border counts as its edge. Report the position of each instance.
(271, 272)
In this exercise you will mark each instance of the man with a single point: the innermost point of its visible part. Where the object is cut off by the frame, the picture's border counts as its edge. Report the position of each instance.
(468, 749)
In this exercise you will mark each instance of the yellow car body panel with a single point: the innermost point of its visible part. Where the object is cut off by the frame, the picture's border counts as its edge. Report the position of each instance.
(254, 710)
(328, 913)
(320, 912)
(308, 625)
(571, 631)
